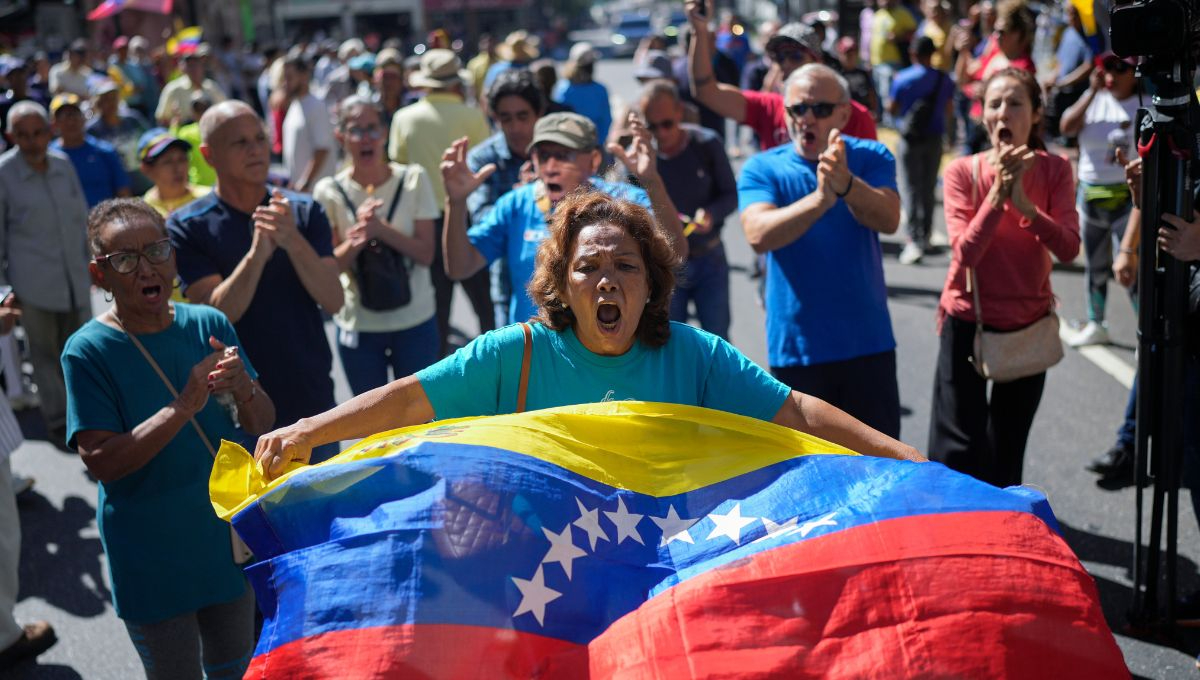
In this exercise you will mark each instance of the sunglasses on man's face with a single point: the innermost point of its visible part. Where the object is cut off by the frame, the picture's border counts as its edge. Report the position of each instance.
(780, 56)
(820, 110)
(564, 155)
(663, 125)
(125, 261)
(1117, 66)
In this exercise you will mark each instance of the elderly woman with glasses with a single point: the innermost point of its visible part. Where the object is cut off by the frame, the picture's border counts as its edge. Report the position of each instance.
(380, 212)
(152, 387)
(602, 286)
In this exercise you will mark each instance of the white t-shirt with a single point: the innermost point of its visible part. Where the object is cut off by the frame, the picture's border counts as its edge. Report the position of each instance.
(1107, 124)
(306, 128)
(416, 203)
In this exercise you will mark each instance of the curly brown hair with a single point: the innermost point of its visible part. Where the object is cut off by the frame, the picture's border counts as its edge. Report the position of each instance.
(583, 209)
(1027, 81)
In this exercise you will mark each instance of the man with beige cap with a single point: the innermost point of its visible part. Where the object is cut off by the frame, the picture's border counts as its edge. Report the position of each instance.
(420, 133)
(566, 157)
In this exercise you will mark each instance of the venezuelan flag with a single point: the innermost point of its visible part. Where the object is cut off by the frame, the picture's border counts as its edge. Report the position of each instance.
(652, 541)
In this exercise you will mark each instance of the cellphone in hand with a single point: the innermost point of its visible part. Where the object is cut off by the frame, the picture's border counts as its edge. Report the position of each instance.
(5, 293)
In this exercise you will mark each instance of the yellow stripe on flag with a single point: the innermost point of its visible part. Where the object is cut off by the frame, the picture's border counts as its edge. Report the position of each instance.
(654, 449)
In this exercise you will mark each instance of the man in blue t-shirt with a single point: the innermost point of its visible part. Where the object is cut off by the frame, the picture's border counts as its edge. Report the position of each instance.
(266, 260)
(816, 207)
(916, 89)
(96, 162)
(566, 156)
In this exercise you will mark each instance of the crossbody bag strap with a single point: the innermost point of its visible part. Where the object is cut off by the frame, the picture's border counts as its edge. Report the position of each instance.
(526, 359)
(166, 381)
(346, 198)
(396, 196)
(972, 282)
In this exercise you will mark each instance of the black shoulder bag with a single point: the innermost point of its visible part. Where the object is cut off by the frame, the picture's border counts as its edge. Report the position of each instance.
(914, 127)
(380, 271)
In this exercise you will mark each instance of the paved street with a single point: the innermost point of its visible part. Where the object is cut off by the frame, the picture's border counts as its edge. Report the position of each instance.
(64, 574)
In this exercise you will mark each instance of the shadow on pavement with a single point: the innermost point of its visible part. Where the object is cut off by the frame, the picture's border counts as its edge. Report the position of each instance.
(47, 672)
(59, 565)
(1117, 598)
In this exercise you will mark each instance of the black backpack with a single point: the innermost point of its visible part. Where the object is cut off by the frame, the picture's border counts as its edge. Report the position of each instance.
(915, 125)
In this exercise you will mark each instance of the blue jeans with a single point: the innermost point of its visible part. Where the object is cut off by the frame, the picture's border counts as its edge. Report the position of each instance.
(366, 357)
(704, 281)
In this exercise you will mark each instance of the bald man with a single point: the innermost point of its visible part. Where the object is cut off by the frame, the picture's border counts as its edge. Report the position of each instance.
(816, 208)
(264, 257)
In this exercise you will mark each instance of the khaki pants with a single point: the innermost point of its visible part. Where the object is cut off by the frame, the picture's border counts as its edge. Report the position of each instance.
(47, 332)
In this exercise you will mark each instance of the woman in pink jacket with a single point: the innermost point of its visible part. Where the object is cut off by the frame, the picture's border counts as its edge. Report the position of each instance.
(1007, 210)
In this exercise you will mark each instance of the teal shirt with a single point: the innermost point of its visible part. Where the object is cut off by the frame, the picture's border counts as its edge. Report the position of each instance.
(168, 552)
(694, 368)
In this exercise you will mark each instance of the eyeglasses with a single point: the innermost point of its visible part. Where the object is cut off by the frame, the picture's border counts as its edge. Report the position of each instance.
(358, 134)
(125, 261)
(819, 110)
(1117, 66)
(663, 125)
(543, 155)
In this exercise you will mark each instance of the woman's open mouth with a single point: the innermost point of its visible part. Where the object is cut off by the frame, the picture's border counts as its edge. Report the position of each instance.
(608, 315)
(152, 294)
(1004, 135)
(366, 154)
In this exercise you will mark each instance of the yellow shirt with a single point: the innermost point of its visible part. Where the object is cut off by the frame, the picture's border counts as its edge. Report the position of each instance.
(894, 20)
(478, 66)
(167, 206)
(943, 58)
(422, 132)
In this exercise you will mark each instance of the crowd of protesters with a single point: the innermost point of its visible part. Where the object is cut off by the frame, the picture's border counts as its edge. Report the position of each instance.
(282, 187)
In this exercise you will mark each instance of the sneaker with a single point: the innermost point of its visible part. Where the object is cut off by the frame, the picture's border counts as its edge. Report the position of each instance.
(35, 639)
(1091, 334)
(1187, 611)
(1115, 462)
(912, 253)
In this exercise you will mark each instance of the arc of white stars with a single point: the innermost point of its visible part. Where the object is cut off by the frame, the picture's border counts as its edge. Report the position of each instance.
(535, 595)
(674, 528)
(589, 521)
(776, 530)
(562, 549)
(626, 522)
(730, 525)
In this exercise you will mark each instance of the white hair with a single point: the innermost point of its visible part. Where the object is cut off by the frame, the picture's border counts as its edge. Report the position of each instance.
(24, 108)
(810, 73)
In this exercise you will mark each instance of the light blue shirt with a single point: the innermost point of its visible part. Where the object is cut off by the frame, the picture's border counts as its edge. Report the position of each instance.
(694, 368)
(516, 227)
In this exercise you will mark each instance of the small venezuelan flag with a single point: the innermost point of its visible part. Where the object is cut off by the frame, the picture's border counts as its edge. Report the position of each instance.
(652, 541)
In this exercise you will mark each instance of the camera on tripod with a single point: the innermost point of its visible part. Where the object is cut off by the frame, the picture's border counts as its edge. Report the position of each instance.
(1155, 28)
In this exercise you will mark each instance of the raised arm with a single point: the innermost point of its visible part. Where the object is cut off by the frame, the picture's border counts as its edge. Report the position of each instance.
(397, 404)
(461, 258)
(725, 100)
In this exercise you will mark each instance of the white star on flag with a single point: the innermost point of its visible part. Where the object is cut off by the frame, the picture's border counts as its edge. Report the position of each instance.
(626, 522)
(674, 528)
(534, 595)
(826, 521)
(730, 525)
(589, 521)
(776, 530)
(562, 549)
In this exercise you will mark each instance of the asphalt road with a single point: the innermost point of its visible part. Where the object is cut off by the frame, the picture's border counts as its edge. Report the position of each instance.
(63, 570)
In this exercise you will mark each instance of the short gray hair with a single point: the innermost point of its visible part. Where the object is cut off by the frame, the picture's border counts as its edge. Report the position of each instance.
(810, 73)
(25, 107)
(216, 116)
(350, 104)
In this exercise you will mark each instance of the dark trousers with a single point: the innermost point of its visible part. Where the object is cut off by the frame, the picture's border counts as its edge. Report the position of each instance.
(476, 287)
(864, 387)
(969, 431)
(918, 172)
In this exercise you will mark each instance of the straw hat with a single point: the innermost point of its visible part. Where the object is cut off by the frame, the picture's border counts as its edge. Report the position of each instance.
(519, 46)
(440, 69)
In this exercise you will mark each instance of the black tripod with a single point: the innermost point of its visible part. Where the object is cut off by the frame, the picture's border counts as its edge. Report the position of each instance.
(1166, 143)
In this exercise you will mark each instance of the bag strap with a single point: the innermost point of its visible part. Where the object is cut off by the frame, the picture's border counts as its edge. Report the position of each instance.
(396, 196)
(972, 283)
(166, 381)
(526, 358)
(345, 197)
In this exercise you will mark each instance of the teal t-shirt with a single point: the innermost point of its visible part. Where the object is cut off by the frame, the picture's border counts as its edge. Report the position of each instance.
(694, 368)
(168, 552)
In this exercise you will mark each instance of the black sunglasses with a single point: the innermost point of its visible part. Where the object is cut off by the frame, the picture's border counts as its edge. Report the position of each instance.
(125, 261)
(1117, 66)
(663, 125)
(819, 110)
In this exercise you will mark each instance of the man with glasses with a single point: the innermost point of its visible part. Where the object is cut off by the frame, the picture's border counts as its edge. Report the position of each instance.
(265, 259)
(566, 156)
(695, 169)
(792, 46)
(43, 253)
(816, 207)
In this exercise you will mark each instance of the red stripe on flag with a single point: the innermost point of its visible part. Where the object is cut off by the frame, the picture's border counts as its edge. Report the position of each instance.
(967, 595)
(422, 651)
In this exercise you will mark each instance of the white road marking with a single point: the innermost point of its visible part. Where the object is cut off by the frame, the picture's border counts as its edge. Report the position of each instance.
(1103, 357)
